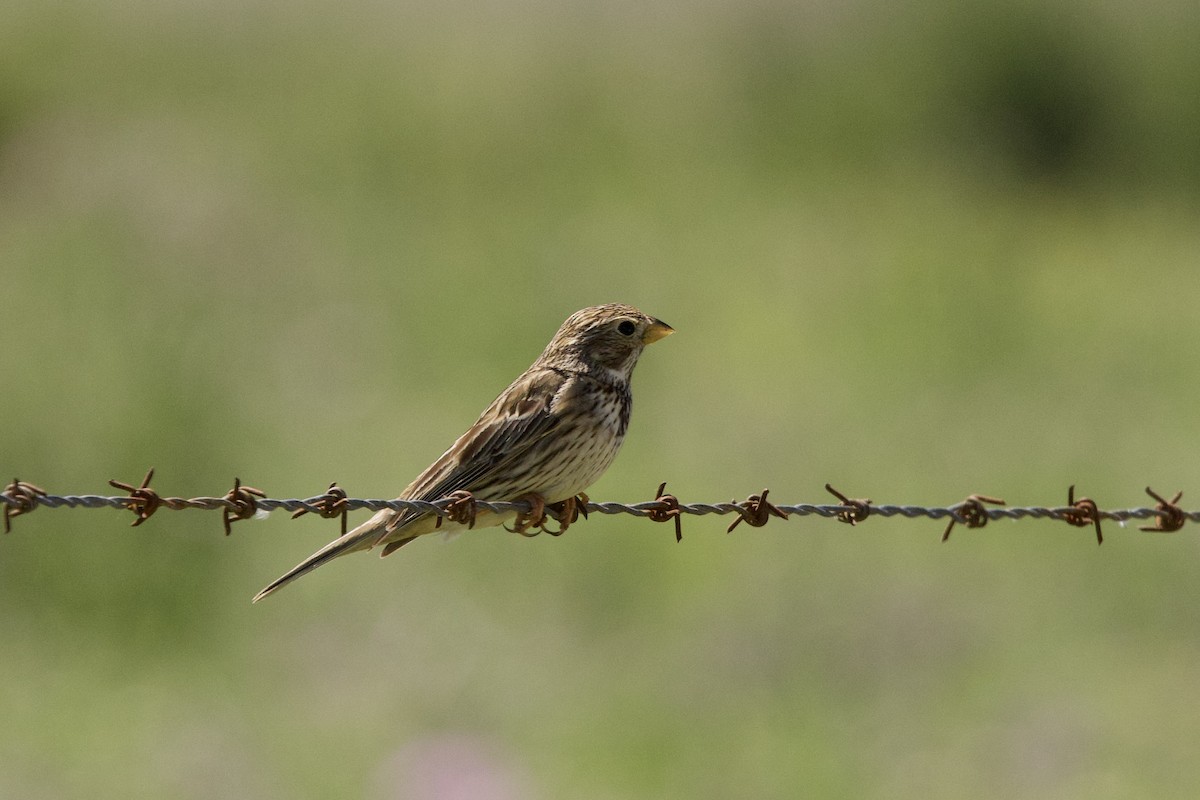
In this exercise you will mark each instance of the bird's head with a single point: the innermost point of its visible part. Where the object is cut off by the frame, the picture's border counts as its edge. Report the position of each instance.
(604, 339)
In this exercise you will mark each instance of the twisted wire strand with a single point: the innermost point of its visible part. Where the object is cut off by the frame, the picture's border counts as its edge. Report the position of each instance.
(316, 504)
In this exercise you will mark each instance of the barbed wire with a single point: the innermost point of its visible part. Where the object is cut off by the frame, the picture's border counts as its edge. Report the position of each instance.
(243, 502)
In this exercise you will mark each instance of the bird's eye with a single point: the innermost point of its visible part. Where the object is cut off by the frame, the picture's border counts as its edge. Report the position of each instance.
(627, 327)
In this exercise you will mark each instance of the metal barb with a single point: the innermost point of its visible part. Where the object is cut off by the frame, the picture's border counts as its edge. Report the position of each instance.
(329, 505)
(143, 501)
(244, 500)
(1170, 516)
(461, 509)
(669, 510)
(755, 510)
(857, 510)
(972, 511)
(1085, 513)
(23, 498)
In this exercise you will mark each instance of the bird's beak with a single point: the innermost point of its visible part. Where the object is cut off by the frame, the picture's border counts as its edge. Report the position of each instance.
(657, 330)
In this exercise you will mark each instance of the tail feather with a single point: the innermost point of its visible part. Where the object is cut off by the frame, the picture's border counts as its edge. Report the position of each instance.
(364, 537)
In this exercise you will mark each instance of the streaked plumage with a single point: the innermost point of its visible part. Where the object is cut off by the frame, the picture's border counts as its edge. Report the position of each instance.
(551, 433)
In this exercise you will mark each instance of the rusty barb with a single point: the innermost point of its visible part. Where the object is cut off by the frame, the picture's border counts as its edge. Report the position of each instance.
(21, 498)
(668, 510)
(1084, 512)
(462, 509)
(243, 504)
(856, 510)
(972, 512)
(143, 501)
(1170, 516)
(329, 505)
(755, 511)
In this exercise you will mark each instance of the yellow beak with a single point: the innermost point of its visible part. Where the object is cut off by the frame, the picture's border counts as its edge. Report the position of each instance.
(657, 330)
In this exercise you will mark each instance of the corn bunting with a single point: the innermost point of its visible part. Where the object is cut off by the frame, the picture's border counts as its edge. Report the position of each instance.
(545, 439)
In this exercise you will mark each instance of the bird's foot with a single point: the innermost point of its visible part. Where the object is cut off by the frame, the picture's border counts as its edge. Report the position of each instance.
(534, 519)
(567, 512)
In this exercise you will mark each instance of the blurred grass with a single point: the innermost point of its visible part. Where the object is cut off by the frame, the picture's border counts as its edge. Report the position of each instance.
(915, 250)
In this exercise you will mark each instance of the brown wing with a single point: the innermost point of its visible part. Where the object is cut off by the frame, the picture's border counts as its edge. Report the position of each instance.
(515, 421)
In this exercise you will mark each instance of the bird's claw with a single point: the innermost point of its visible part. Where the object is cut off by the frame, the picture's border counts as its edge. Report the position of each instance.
(565, 512)
(534, 518)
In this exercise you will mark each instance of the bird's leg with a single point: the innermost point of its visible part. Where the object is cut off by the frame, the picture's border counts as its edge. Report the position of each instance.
(535, 517)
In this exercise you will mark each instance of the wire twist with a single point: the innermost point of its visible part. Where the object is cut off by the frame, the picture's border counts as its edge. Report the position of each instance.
(243, 502)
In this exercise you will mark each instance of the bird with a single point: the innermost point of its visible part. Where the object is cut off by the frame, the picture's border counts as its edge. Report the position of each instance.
(545, 439)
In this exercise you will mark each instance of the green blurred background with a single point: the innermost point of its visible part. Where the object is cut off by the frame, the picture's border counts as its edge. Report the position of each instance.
(915, 249)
